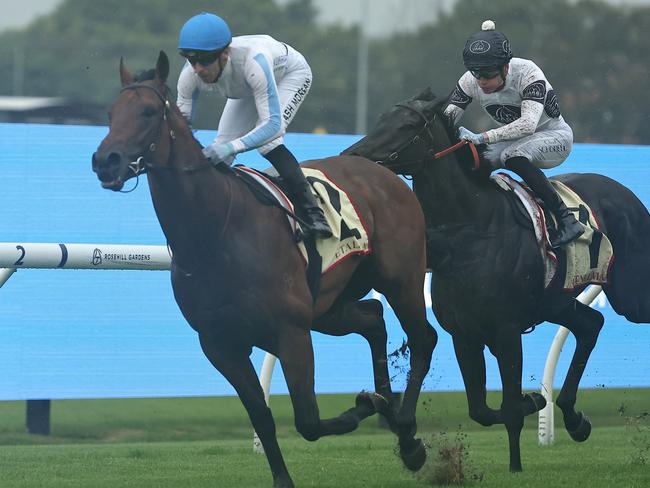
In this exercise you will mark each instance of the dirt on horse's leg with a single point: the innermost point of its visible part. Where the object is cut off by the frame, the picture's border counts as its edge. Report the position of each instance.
(407, 301)
(507, 349)
(297, 360)
(584, 323)
(471, 361)
(233, 362)
(364, 317)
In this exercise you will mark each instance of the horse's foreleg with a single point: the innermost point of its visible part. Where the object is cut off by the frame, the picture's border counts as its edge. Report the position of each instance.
(409, 307)
(365, 318)
(584, 323)
(297, 359)
(233, 362)
(507, 349)
(471, 361)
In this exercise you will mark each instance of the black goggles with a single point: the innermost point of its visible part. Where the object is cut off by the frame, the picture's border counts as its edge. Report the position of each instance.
(488, 74)
(202, 58)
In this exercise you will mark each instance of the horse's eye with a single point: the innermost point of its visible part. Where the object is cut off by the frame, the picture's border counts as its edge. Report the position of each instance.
(149, 112)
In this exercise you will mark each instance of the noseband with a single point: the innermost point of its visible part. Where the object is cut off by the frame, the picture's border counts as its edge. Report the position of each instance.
(433, 155)
(140, 165)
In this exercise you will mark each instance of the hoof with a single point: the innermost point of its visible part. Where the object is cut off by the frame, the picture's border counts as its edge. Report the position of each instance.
(581, 433)
(414, 455)
(373, 401)
(283, 482)
(533, 402)
(364, 400)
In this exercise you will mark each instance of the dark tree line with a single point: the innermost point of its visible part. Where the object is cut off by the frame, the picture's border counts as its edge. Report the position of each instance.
(594, 54)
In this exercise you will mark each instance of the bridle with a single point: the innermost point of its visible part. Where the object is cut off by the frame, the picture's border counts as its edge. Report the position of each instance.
(142, 164)
(432, 154)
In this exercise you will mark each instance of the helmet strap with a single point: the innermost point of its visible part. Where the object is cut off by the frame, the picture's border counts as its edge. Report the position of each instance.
(222, 60)
(502, 74)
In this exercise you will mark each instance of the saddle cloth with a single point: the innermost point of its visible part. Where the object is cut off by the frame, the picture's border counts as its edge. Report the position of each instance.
(350, 236)
(588, 258)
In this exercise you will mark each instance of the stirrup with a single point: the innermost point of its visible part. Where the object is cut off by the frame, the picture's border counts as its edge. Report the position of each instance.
(567, 233)
(317, 224)
(317, 229)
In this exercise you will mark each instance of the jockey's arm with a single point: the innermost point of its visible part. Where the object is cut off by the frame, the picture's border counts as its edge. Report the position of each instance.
(459, 99)
(188, 92)
(531, 112)
(267, 102)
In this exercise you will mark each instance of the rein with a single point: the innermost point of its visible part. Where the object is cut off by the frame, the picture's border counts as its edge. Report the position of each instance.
(141, 165)
(433, 155)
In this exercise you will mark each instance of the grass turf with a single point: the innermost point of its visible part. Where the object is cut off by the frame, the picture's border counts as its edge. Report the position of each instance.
(208, 442)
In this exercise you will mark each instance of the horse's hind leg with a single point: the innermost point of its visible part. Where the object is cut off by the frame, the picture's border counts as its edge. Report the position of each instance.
(585, 324)
(296, 357)
(407, 301)
(233, 362)
(365, 318)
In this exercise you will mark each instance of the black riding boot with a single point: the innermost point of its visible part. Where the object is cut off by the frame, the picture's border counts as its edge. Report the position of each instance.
(300, 191)
(568, 228)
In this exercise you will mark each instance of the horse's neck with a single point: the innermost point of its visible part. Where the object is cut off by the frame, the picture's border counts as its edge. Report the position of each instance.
(450, 196)
(193, 207)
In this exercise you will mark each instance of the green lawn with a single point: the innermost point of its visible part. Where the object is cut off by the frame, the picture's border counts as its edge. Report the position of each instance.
(199, 442)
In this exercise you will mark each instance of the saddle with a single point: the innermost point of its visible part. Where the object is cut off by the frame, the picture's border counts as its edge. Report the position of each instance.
(583, 261)
(350, 236)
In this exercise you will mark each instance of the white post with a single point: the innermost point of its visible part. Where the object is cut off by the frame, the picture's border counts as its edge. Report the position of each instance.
(546, 426)
(362, 72)
(5, 274)
(265, 380)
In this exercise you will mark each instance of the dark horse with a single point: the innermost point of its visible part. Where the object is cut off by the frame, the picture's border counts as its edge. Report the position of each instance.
(487, 284)
(240, 281)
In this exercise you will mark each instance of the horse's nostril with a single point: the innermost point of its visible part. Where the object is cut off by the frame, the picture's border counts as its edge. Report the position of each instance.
(113, 159)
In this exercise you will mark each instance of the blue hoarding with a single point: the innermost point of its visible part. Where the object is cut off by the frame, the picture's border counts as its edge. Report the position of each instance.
(93, 334)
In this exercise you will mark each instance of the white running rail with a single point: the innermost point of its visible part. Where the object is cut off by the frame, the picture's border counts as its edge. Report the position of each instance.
(17, 255)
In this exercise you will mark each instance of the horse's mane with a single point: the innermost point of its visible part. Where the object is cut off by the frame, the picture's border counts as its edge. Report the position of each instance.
(435, 107)
(432, 108)
(150, 74)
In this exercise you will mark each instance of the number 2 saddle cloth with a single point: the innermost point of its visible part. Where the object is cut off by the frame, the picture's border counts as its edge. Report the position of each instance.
(588, 258)
(350, 236)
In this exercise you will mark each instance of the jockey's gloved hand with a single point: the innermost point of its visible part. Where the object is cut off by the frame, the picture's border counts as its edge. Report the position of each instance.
(217, 152)
(468, 135)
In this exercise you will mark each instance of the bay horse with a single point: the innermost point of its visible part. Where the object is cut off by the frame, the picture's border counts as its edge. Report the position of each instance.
(487, 282)
(239, 279)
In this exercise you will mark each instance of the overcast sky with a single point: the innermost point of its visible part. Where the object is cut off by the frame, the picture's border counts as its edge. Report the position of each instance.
(384, 16)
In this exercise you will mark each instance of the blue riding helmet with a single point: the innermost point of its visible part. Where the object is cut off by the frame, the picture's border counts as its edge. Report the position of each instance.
(204, 32)
(486, 49)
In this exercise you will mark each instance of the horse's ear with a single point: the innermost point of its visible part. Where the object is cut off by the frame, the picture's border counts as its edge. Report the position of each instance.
(426, 95)
(125, 75)
(162, 67)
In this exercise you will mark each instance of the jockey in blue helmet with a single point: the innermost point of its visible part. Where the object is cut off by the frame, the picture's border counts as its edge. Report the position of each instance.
(532, 134)
(264, 82)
